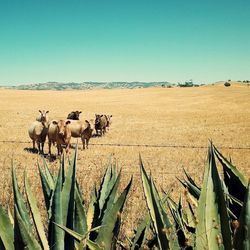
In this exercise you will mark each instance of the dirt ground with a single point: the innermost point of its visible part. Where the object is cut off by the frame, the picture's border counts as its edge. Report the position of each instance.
(169, 117)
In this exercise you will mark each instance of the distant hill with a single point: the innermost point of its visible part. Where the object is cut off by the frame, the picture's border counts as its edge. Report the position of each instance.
(90, 85)
(112, 85)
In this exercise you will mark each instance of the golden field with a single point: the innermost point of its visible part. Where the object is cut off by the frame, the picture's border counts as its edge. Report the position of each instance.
(154, 116)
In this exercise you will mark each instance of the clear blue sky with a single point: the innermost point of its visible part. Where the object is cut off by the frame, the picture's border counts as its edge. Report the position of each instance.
(124, 40)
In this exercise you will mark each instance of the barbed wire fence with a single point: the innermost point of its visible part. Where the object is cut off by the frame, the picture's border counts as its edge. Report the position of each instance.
(144, 145)
(180, 146)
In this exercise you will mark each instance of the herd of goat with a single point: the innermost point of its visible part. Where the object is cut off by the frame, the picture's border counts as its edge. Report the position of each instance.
(59, 132)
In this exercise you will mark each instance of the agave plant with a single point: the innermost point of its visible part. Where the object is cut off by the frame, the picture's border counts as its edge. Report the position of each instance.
(206, 222)
(70, 225)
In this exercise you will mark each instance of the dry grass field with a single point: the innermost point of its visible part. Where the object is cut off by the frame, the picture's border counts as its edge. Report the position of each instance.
(154, 116)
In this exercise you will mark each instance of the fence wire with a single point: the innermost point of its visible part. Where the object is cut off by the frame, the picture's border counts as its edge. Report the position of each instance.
(143, 145)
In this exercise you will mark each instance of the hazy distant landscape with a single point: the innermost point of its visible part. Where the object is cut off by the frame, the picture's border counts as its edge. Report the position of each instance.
(98, 85)
(108, 85)
(90, 85)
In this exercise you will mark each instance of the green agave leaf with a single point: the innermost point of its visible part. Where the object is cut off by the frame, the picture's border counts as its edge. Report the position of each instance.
(157, 222)
(141, 234)
(181, 231)
(191, 219)
(19, 202)
(242, 235)
(62, 162)
(111, 196)
(10, 217)
(108, 204)
(159, 218)
(76, 235)
(56, 235)
(104, 188)
(81, 238)
(79, 191)
(91, 208)
(68, 192)
(93, 246)
(192, 189)
(36, 215)
(213, 229)
(68, 199)
(179, 224)
(49, 176)
(80, 220)
(230, 169)
(235, 182)
(240, 203)
(156, 197)
(105, 236)
(6, 231)
(28, 240)
(47, 191)
(191, 180)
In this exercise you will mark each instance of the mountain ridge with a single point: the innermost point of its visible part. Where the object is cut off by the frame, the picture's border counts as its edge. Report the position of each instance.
(89, 85)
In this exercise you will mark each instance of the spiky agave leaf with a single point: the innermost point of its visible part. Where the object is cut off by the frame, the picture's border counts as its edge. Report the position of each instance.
(27, 239)
(213, 229)
(6, 231)
(109, 203)
(82, 239)
(234, 180)
(48, 174)
(176, 211)
(80, 221)
(191, 218)
(91, 209)
(104, 188)
(242, 236)
(161, 223)
(107, 236)
(35, 215)
(10, 217)
(110, 198)
(108, 190)
(19, 201)
(190, 179)
(192, 189)
(68, 198)
(231, 169)
(48, 185)
(140, 236)
(56, 235)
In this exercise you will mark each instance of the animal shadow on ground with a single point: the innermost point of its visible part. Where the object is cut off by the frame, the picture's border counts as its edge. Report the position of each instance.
(31, 150)
(96, 135)
(51, 158)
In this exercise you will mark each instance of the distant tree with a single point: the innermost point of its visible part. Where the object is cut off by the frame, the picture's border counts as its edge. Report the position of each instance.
(227, 84)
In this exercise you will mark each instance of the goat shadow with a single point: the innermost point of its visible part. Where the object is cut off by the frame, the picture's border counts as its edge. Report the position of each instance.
(51, 157)
(31, 150)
